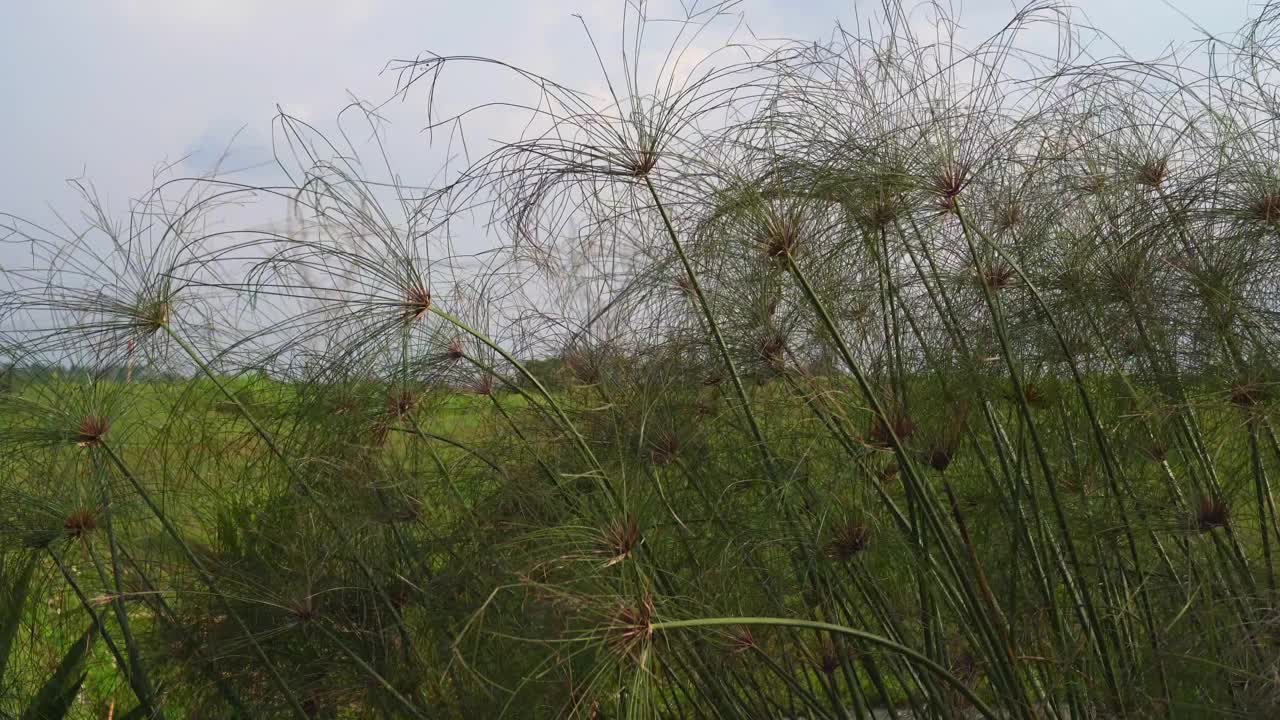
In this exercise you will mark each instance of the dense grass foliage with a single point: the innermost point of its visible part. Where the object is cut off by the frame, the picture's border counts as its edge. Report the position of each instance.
(804, 380)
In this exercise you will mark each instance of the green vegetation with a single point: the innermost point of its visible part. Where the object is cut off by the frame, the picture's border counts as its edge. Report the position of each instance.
(878, 374)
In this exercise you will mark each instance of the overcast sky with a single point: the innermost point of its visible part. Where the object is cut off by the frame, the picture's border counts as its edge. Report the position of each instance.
(108, 89)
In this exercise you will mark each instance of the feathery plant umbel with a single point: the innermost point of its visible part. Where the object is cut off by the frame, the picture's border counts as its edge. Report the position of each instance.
(815, 379)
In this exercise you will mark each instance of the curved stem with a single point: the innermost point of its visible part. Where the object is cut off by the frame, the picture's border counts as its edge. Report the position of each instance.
(869, 638)
(208, 579)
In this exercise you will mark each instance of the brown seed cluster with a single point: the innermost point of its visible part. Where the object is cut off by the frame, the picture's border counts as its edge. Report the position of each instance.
(772, 349)
(997, 277)
(582, 366)
(664, 448)
(828, 658)
(742, 640)
(949, 182)
(1249, 394)
(1125, 279)
(641, 163)
(883, 430)
(619, 538)
(939, 457)
(400, 403)
(684, 285)
(80, 523)
(92, 429)
(455, 351)
(483, 385)
(1035, 395)
(883, 211)
(848, 541)
(1213, 513)
(1093, 183)
(1153, 172)
(1266, 208)
(941, 447)
(963, 664)
(631, 629)
(1156, 451)
(1009, 216)
(304, 612)
(416, 303)
(407, 509)
(782, 239)
(153, 314)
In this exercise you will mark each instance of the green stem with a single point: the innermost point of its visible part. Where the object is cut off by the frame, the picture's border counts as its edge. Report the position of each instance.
(297, 477)
(137, 674)
(869, 638)
(209, 581)
(738, 388)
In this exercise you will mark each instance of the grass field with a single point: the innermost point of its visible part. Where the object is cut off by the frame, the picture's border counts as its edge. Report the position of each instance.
(450, 498)
(867, 377)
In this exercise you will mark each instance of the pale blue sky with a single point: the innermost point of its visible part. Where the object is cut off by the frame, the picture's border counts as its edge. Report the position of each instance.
(111, 88)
